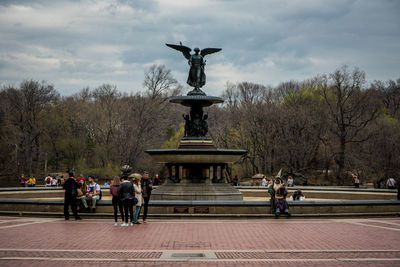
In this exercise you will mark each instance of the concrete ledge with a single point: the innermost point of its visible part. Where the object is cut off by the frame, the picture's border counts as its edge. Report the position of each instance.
(216, 208)
(39, 187)
(213, 202)
(246, 193)
(314, 188)
(203, 216)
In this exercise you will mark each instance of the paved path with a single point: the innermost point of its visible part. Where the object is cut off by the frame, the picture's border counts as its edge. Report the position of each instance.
(43, 242)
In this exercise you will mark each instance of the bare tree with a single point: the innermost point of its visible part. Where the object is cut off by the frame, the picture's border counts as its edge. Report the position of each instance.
(350, 110)
(27, 104)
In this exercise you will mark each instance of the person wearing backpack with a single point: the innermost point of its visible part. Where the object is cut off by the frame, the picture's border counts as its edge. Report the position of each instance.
(71, 192)
(48, 180)
(391, 183)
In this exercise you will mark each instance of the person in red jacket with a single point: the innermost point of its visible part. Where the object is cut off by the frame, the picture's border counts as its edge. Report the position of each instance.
(22, 180)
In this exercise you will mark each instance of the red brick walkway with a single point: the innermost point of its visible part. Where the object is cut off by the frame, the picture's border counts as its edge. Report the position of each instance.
(43, 242)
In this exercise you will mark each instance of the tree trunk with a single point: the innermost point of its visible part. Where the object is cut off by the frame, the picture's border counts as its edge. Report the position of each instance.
(340, 161)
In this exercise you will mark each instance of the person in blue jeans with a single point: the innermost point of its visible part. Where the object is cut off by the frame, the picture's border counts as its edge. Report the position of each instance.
(138, 194)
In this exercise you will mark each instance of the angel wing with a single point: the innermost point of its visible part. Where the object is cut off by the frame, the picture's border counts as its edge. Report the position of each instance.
(184, 49)
(207, 51)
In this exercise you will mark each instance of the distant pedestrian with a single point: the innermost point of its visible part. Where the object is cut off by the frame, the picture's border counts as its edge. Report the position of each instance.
(126, 194)
(235, 181)
(356, 179)
(48, 180)
(298, 195)
(391, 183)
(264, 181)
(71, 192)
(147, 186)
(290, 181)
(54, 182)
(157, 180)
(22, 180)
(60, 181)
(116, 200)
(31, 181)
(139, 198)
(270, 182)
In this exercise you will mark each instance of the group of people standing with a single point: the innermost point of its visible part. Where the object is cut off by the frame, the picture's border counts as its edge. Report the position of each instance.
(127, 192)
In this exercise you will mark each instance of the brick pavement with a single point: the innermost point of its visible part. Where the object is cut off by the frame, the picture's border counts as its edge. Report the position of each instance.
(43, 242)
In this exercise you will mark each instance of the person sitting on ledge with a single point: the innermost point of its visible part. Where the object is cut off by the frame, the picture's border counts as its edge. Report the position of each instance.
(92, 193)
(290, 181)
(298, 195)
(22, 180)
(81, 195)
(31, 181)
(278, 194)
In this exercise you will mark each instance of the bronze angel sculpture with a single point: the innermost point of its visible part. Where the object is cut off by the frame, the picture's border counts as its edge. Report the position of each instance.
(196, 77)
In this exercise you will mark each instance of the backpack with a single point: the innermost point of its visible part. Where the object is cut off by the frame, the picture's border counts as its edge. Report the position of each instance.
(48, 180)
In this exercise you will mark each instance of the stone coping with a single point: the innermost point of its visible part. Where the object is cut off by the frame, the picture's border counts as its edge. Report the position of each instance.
(202, 100)
(185, 151)
(323, 188)
(318, 188)
(214, 202)
(38, 188)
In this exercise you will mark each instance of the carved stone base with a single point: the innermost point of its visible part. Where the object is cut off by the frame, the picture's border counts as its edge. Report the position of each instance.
(200, 143)
(196, 91)
(191, 191)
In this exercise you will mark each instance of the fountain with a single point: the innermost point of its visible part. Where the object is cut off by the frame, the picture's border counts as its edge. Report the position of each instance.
(196, 169)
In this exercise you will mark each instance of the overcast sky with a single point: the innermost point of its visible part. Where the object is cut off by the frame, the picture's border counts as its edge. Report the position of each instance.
(74, 44)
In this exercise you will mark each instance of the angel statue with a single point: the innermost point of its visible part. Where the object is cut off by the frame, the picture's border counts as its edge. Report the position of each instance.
(196, 77)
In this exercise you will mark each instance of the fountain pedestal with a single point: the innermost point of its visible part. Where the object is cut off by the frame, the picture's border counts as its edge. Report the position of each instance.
(196, 169)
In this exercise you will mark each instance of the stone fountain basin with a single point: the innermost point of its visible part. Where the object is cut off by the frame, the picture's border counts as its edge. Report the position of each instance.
(198, 156)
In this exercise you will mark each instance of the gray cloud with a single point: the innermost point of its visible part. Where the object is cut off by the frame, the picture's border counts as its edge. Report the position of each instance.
(74, 44)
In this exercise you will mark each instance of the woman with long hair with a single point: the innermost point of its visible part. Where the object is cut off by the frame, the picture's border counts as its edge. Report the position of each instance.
(116, 200)
(82, 194)
(139, 197)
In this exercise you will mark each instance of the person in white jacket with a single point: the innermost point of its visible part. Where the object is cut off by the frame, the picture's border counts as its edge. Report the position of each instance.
(139, 197)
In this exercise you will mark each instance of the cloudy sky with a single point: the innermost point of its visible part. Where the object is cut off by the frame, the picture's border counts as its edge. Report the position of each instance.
(74, 44)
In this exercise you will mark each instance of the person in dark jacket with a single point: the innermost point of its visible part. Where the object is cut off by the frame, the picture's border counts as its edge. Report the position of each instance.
(71, 192)
(116, 201)
(147, 186)
(398, 190)
(126, 194)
